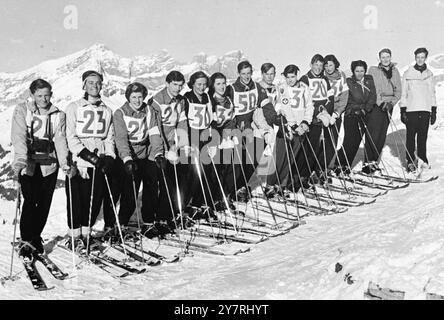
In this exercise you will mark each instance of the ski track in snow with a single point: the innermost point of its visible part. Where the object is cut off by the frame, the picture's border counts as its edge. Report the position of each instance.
(395, 242)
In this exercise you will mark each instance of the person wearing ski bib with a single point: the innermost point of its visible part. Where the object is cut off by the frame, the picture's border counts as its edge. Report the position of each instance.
(268, 71)
(323, 104)
(170, 104)
(292, 115)
(90, 136)
(199, 111)
(388, 92)
(361, 101)
(339, 88)
(249, 98)
(224, 124)
(140, 149)
(418, 111)
(39, 144)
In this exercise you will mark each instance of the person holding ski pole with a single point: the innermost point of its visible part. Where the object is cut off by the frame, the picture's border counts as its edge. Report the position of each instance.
(199, 112)
(90, 136)
(224, 124)
(170, 104)
(140, 147)
(339, 87)
(249, 98)
(388, 92)
(361, 101)
(323, 104)
(294, 109)
(418, 110)
(39, 143)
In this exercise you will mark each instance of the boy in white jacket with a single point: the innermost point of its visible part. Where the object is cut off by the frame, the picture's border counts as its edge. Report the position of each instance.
(418, 109)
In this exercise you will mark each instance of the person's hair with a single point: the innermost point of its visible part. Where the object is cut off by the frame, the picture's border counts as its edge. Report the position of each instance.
(267, 66)
(213, 78)
(422, 50)
(332, 58)
(291, 68)
(136, 87)
(175, 76)
(195, 76)
(243, 65)
(385, 50)
(358, 63)
(317, 57)
(39, 84)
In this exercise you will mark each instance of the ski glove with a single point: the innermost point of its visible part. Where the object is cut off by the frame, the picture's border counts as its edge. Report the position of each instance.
(387, 106)
(404, 115)
(172, 157)
(333, 118)
(106, 164)
(161, 162)
(324, 117)
(130, 167)
(433, 116)
(361, 113)
(90, 157)
(69, 171)
(212, 151)
(302, 128)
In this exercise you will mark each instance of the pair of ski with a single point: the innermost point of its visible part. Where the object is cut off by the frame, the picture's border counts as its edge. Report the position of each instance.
(111, 259)
(34, 275)
(400, 179)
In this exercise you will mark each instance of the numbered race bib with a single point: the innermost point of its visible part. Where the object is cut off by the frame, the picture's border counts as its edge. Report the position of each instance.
(337, 87)
(169, 114)
(137, 129)
(39, 125)
(245, 102)
(291, 102)
(92, 122)
(199, 116)
(318, 89)
(223, 114)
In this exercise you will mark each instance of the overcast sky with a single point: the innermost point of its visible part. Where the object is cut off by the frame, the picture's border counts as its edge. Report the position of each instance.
(279, 31)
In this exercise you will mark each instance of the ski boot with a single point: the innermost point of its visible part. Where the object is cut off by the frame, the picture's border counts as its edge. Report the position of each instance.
(164, 228)
(149, 230)
(26, 251)
(243, 194)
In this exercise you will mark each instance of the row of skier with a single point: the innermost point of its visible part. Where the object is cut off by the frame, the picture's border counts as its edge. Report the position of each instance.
(196, 153)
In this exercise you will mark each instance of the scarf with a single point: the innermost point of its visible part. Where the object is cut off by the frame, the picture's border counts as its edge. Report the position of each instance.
(388, 72)
(420, 68)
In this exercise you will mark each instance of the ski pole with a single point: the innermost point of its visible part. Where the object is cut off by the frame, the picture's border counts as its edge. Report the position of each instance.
(203, 193)
(90, 206)
(342, 181)
(397, 147)
(279, 182)
(116, 215)
(137, 212)
(344, 152)
(246, 185)
(262, 187)
(374, 146)
(309, 170)
(289, 167)
(402, 142)
(301, 141)
(223, 195)
(171, 207)
(72, 223)
(17, 216)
